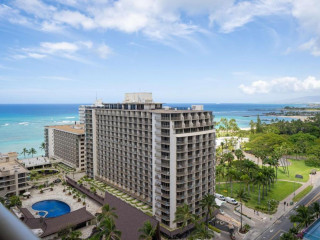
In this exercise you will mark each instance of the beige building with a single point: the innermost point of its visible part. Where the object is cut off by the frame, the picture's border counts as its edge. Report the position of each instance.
(160, 155)
(13, 176)
(66, 143)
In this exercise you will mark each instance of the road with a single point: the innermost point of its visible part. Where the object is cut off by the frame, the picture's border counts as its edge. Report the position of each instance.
(283, 224)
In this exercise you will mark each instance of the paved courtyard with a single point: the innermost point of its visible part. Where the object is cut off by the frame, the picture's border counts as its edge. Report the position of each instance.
(58, 194)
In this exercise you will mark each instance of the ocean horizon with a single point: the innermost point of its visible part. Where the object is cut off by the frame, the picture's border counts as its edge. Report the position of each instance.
(22, 125)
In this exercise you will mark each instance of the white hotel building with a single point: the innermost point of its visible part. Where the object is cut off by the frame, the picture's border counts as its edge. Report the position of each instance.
(162, 156)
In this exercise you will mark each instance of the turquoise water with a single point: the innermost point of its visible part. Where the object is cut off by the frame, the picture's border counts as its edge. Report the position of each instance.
(313, 233)
(54, 208)
(22, 125)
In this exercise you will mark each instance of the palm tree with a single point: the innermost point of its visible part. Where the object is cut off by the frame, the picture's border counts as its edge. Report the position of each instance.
(304, 216)
(107, 230)
(242, 195)
(73, 235)
(220, 173)
(259, 179)
(228, 157)
(107, 212)
(208, 204)
(42, 146)
(239, 154)
(231, 172)
(24, 152)
(32, 151)
(202, 232)
(288, 236)
(147, 231)
(315, 207)
(183, 214)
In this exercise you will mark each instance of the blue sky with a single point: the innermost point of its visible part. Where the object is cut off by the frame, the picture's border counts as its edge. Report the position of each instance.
(69, 51)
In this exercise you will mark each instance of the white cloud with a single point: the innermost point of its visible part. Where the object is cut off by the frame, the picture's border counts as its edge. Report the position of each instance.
(50, 48)
(104, 51)
(36, 55)
(69, 50)
(284, 84)
(75, 19)
(162, 20)
(57, 78)
(313, 45)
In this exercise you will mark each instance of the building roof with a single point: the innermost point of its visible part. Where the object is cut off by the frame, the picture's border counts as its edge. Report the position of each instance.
(56, 224)
(75, 128)
(36, 161)
(130, 219)
(8, 168)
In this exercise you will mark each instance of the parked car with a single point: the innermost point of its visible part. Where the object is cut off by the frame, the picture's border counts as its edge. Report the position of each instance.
(220, 197)
(231, 200)
(57, 180)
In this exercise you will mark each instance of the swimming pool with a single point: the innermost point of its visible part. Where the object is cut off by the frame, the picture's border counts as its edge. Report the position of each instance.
(51, 208)
(313, 233)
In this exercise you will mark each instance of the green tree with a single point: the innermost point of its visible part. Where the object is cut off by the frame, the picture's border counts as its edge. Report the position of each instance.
(288, 236)
(252, 126)
(242, 196)
(239, 154)
(183, 215)
(231, 174)
(259, 180)
(147, 231)
(258, 125)
(32, 151)
(107, 212)
(201, 232)
(72, 235)
(107, 230)
(208, 204)
(24, 152)
(315, 208)
(42, 146)
(228, 157)
(303, 216)
(226, 126)
(15, 201)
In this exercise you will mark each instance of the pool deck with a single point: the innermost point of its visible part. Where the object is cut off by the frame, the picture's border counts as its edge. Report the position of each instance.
(58, 194)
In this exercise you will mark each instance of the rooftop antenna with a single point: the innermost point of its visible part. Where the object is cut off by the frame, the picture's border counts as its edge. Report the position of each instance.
(96, 96)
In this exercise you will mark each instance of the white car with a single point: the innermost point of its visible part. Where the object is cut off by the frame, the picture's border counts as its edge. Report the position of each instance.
(220, 197)
(231, 200)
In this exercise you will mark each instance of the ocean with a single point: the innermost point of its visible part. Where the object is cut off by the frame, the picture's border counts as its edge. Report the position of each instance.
(22, 125)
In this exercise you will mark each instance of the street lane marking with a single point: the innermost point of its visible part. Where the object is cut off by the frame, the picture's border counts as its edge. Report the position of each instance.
(316, 197)
(277, 234)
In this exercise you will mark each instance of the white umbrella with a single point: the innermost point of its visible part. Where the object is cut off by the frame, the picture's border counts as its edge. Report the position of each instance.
(27, 194)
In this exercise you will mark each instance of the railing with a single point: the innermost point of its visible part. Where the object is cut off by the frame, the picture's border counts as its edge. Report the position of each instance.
(12, 228)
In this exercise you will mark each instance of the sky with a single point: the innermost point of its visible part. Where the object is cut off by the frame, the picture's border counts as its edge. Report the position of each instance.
(206, 51)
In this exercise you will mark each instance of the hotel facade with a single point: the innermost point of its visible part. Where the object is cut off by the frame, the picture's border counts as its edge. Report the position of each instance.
(162, 156)
(66, 143)
(13, 176)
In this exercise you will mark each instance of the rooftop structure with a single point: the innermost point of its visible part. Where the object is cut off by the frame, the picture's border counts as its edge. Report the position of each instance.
(36, 162)
(51, 226)
(161, 156)
(66, 142)
(13, 176)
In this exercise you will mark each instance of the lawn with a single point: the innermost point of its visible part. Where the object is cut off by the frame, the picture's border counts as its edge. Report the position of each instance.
(296, 167)
(301, 194)
(279, 192)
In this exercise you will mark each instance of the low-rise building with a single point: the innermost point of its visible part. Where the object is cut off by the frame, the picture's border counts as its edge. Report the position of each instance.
(66, 143)
(36, 163)
(13, 176)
